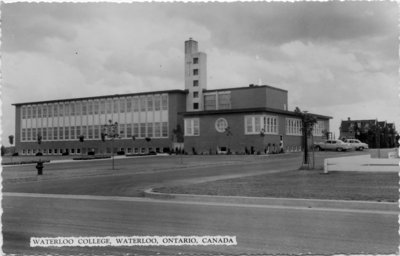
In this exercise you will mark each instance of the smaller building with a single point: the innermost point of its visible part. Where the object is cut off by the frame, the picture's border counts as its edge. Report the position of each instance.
(377, 134)
(246, 120)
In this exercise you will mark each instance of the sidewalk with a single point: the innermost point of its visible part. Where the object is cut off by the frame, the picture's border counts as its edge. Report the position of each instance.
(362, 163)
(280, 202)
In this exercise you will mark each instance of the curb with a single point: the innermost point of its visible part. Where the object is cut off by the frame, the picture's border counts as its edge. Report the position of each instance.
(287, 202)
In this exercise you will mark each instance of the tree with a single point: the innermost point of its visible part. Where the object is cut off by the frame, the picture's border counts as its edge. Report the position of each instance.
(308, 121)
(11, 139)
(3, 150)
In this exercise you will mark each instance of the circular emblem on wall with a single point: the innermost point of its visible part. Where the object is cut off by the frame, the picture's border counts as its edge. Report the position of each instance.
(221, 124)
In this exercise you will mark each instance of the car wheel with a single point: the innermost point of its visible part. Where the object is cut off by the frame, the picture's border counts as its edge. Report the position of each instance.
(339, 149)
(318, 148)
(361, 148)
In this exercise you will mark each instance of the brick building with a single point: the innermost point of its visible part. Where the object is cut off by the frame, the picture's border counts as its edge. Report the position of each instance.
(246, 119)
(377, 134)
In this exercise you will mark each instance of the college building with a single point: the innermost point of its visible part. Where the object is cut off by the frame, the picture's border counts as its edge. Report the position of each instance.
(251, 119)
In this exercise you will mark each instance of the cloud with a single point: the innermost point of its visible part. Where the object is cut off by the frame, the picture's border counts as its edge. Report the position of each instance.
(327, 55)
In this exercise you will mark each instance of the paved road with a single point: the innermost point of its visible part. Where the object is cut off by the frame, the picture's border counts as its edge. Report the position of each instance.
(134, 175)
(257, 229)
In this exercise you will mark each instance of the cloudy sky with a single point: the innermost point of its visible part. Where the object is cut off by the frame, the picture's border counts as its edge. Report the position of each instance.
(335, 58)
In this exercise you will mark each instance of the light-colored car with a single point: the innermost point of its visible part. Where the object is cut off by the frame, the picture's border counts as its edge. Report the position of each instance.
(356, 144)
(337, 145)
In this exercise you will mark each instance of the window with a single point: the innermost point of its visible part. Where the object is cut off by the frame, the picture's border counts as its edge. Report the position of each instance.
(157, 130)
(195, 83)
(78, 131)
(49, 133)
(116, 103)
(67, 133)
(55, 133)
(195, 60)
(96, 131)
(129, 105)
(122, 107)
(28, 113)
(109, 106)
(157, 102)
(34, 135)
(90, 132)
(122, 131)
(221, 124)
(72, 109)
(195, 94)
(23, 112)
(195, 105)
(96, 107)
(224, 100)
(72, 131)
(195, 72)
(23, 135)
(135, 104)
(143, 104)
(192, 127)
(293, 126)
(102, 107)
(150, 103)
(261, 123)
(210, 102)
(34, 112)
(61, 133)
(84, 108)
(39, 114)
(150, 130)
(319, 127)
(136, 130)
(44, 111)
(66, 109)
(164, 102)
(90, 108)
(164, 129)
(78, 108)
(61, 110)
(129, 130)
(142, 130)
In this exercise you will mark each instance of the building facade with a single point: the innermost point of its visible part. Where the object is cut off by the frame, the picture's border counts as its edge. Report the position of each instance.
(60, 123)
(200, 121)
(377, 134)
(243, 120)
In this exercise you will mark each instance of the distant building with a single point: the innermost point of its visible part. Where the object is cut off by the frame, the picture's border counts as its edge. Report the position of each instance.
(377, 134)
(238, 120)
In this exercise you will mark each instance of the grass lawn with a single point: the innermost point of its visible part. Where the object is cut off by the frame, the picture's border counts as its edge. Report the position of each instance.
(302, 184)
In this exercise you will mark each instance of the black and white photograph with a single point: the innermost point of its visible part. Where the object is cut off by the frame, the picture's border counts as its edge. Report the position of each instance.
(200, 128)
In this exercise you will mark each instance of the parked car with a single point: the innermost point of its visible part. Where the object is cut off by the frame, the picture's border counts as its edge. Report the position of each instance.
(337, 145)
(356, 144)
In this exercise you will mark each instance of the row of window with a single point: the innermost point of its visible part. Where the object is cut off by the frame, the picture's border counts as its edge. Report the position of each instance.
(142, 130)
(216, 101)
(256, 124)
(94, 107)
(293, 126)
(261, 124)
(77, 151)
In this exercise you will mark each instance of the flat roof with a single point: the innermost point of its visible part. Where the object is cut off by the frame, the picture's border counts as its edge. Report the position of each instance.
(246, 88)
(247, 110)
(100, 97)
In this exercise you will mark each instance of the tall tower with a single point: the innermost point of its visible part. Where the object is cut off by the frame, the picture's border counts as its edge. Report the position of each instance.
(195, 76)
